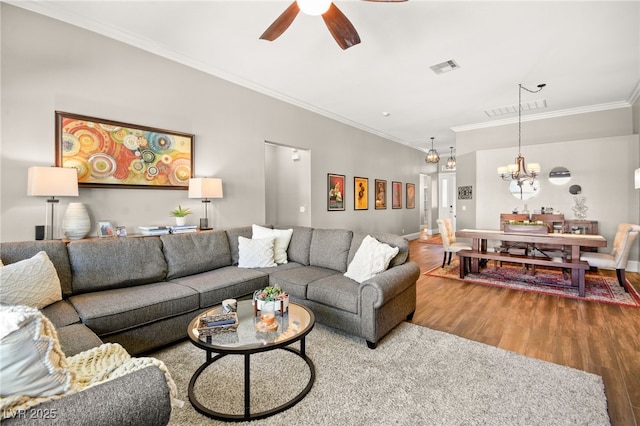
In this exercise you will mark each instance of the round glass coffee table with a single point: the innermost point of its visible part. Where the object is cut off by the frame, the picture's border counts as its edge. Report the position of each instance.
(293, 326)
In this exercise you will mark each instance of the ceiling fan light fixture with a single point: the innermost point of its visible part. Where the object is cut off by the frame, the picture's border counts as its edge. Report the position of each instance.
(314, 7)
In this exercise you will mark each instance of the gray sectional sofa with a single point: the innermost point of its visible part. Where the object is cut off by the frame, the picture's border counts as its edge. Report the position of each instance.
(141, 292)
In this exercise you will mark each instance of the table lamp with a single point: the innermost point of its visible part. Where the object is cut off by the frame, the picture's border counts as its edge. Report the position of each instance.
(52, 182)
(205, 188)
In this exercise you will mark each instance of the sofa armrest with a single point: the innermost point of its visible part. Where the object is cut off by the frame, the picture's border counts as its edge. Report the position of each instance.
(139, 398)
(386, 285)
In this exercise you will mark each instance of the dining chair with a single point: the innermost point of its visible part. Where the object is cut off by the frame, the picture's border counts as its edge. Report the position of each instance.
(617, 259)
(449, 243)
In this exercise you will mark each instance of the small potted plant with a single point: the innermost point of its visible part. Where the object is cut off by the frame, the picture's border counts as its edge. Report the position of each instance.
(181, 215)
(271, 294)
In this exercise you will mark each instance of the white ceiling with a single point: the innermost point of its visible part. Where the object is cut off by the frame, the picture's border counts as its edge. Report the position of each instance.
(587, 52)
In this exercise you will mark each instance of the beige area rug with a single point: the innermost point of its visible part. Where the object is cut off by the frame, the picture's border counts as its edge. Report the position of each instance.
(416, 376)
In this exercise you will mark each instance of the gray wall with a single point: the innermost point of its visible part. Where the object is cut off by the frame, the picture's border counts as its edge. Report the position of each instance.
(48, 65)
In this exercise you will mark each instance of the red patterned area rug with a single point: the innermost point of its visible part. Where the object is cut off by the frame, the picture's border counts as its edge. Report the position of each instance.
(598, 288)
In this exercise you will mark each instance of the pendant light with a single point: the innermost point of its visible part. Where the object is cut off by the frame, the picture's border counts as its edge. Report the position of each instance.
(451, 161)
(518, 171)
(432, 155)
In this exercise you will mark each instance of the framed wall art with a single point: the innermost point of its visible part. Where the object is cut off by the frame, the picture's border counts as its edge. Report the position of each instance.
(411, 195)
(396, 195)
(381, 194)
(465, 192)
(335, 190)
(360, 193)
(113, 154)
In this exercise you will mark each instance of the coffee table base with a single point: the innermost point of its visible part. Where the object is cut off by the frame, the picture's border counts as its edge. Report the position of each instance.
(247, 398)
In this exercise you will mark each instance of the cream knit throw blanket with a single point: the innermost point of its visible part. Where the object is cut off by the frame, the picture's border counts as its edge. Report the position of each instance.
(90, 368)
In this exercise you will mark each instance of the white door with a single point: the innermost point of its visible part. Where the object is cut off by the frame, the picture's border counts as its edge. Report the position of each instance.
(447, 202)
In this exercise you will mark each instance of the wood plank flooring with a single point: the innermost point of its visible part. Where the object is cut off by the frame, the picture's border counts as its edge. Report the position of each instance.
(596, 337)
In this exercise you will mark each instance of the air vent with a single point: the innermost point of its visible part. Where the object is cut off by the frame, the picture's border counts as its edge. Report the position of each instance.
(512, 109)
(443, 67)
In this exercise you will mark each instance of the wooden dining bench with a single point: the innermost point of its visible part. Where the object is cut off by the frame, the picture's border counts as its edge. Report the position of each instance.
(577, 280)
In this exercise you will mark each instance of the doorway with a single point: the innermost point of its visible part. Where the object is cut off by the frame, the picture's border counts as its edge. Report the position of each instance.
(287, 185)
(447, 202)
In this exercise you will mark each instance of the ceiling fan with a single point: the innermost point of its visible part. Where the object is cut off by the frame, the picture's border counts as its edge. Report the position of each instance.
(339, 26)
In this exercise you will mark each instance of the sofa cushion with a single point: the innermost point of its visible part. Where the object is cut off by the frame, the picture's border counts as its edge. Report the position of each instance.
(281, 243)
(294, 281)
(188, 254)
(32, 282)
(76, 338)
(61, 314)
(31, 360)
(232, 236)
(393, 240)
(337, 291)
(300, 244)
(330, 248)
(109, 263)
(115, 310)
(371, 258)
(55, 249)
(230, 282)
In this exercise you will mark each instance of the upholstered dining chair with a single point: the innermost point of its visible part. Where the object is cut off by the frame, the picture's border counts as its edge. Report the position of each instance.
(449, 243)
(617, 259)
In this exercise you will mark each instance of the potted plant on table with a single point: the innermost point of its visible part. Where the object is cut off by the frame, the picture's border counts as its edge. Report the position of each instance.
(271, 294)
(181, 215)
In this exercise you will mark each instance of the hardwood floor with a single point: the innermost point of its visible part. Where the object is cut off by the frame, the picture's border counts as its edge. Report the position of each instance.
(595, 337)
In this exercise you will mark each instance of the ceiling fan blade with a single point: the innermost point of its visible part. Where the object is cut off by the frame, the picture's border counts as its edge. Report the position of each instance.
(340, 27)
(281, 24)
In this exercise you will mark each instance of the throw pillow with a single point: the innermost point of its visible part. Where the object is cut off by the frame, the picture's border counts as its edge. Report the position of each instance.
(371, 258)
(255, 253)
(31, 361)
(32, 282)
(282, 236)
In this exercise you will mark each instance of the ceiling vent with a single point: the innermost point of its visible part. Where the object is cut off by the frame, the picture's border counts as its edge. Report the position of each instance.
(443, 67)
(511, 109)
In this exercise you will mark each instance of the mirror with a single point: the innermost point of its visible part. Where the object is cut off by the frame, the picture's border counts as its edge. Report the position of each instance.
(525, 191)
(575, 189)
(559, 175)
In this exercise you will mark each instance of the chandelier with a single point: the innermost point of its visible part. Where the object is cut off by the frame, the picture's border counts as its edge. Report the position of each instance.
(432, 155)
(519, 172)
(451, 161)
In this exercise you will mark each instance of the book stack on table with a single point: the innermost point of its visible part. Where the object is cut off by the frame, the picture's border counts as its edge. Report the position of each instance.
(183, 229)
(154, 230)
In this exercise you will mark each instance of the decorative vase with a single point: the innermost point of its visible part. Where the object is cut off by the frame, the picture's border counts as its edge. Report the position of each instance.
(76, 223)
(181, 221)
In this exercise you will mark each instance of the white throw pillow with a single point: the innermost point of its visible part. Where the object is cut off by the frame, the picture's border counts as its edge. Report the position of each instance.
(32, 282)
(371, 258)
(255, 253)
(282, 236)
(31, 361)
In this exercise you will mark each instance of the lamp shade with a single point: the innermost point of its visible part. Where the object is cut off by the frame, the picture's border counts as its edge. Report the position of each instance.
(52, 181)
(205, 188)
